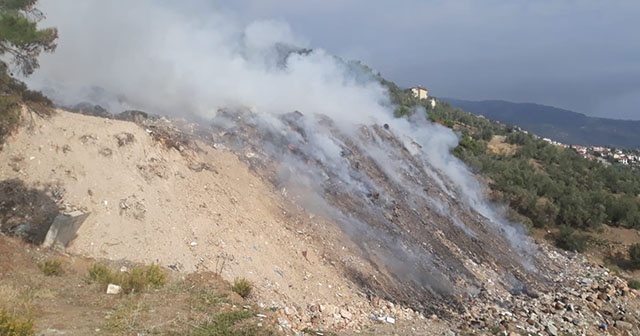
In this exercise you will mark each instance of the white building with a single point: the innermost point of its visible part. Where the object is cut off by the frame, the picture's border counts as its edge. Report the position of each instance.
(420, 92)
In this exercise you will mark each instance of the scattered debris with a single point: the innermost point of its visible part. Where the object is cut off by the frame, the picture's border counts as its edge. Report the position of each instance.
(114, 289)
(106, 152)
(124, 138)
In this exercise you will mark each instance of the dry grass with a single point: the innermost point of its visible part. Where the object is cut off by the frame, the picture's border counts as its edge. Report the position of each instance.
(13, 325)
(51, 267)
(498, 145)
(137, 280)
(198, 304)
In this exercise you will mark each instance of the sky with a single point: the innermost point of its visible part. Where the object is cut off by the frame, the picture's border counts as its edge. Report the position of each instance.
(581, 55)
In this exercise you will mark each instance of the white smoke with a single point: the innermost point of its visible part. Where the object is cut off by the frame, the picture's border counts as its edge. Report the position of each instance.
(149, 55)
(153, 56)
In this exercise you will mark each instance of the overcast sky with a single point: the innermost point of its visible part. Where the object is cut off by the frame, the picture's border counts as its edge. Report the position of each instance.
(582, 55)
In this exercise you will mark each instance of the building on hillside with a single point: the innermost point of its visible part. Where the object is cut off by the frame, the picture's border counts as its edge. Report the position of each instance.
(420, 92)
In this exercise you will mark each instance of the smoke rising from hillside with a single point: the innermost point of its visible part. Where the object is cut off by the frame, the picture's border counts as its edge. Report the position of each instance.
(149, 56)
(144, 55)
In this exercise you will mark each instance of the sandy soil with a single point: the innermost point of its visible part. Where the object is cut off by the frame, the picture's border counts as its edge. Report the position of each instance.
(194, 211)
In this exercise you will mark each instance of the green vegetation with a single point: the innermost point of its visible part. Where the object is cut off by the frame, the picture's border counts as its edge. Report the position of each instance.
(230, 323)
(242, 286)
(137, 280)
(634, 256)
(11, 325)
(568, 239)
(634, 284)
(51, 267)
(22, 42)
(20, 37)
(545, 186)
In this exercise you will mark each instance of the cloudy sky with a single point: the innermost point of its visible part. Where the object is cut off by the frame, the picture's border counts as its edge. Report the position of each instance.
(582, 55)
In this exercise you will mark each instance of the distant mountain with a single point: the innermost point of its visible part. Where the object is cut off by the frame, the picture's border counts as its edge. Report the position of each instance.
(561, 125)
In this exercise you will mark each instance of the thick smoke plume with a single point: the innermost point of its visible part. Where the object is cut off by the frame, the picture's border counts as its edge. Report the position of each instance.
(152, 56)
(143, 54)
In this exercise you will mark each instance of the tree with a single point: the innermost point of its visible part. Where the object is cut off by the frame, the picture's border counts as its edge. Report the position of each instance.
(634, 255)
(20, 37)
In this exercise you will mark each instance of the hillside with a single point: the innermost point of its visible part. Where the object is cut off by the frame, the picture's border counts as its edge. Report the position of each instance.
(352, 251)
(557, 124)
(156, 196)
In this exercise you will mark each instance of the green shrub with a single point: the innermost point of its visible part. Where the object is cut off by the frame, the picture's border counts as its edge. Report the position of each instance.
(101, 274)
(9, 115)
(242, 286)
(634, 255)
(51, 267)
(635, 284)
(10, 325)
(231, 323)
(568, 239)
(133, 282)
(156, 276)
(137, 280)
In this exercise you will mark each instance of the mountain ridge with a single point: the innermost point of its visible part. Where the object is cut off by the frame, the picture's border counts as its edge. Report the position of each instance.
(562, 125)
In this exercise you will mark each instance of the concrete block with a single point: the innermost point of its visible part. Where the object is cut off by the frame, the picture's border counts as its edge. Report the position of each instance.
(113, 289)
(64, 228)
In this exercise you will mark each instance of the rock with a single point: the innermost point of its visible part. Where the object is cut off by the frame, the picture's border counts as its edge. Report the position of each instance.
(113, 289)
(328, 309)
(586, 282)
(64, 228)
(346, 314)
(313, 307)
(289, 311)
(624, 325)
(284, 322)
(551, 329)
(390, 319)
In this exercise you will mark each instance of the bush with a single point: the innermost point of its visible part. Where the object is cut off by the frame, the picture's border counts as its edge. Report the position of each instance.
(634, 255)
(9, 116)
(51, 267)
(101, 274)
(635, 284)
(137, 280)
(156, 276)
(10, 325)
(569, 240)
(242, 286)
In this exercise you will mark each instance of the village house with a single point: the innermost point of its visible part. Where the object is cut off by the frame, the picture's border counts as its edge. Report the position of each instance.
(420, 92)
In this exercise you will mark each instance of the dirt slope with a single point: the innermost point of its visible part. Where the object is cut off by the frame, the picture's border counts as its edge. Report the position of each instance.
(196, 207)
(191, 210)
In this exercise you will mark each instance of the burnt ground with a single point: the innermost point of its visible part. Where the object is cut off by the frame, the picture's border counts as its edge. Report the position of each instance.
(421, 251)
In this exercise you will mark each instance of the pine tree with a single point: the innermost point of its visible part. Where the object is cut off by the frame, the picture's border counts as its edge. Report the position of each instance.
(20, 38)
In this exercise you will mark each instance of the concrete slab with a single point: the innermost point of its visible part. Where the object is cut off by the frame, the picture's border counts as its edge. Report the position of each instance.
(64, 229)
